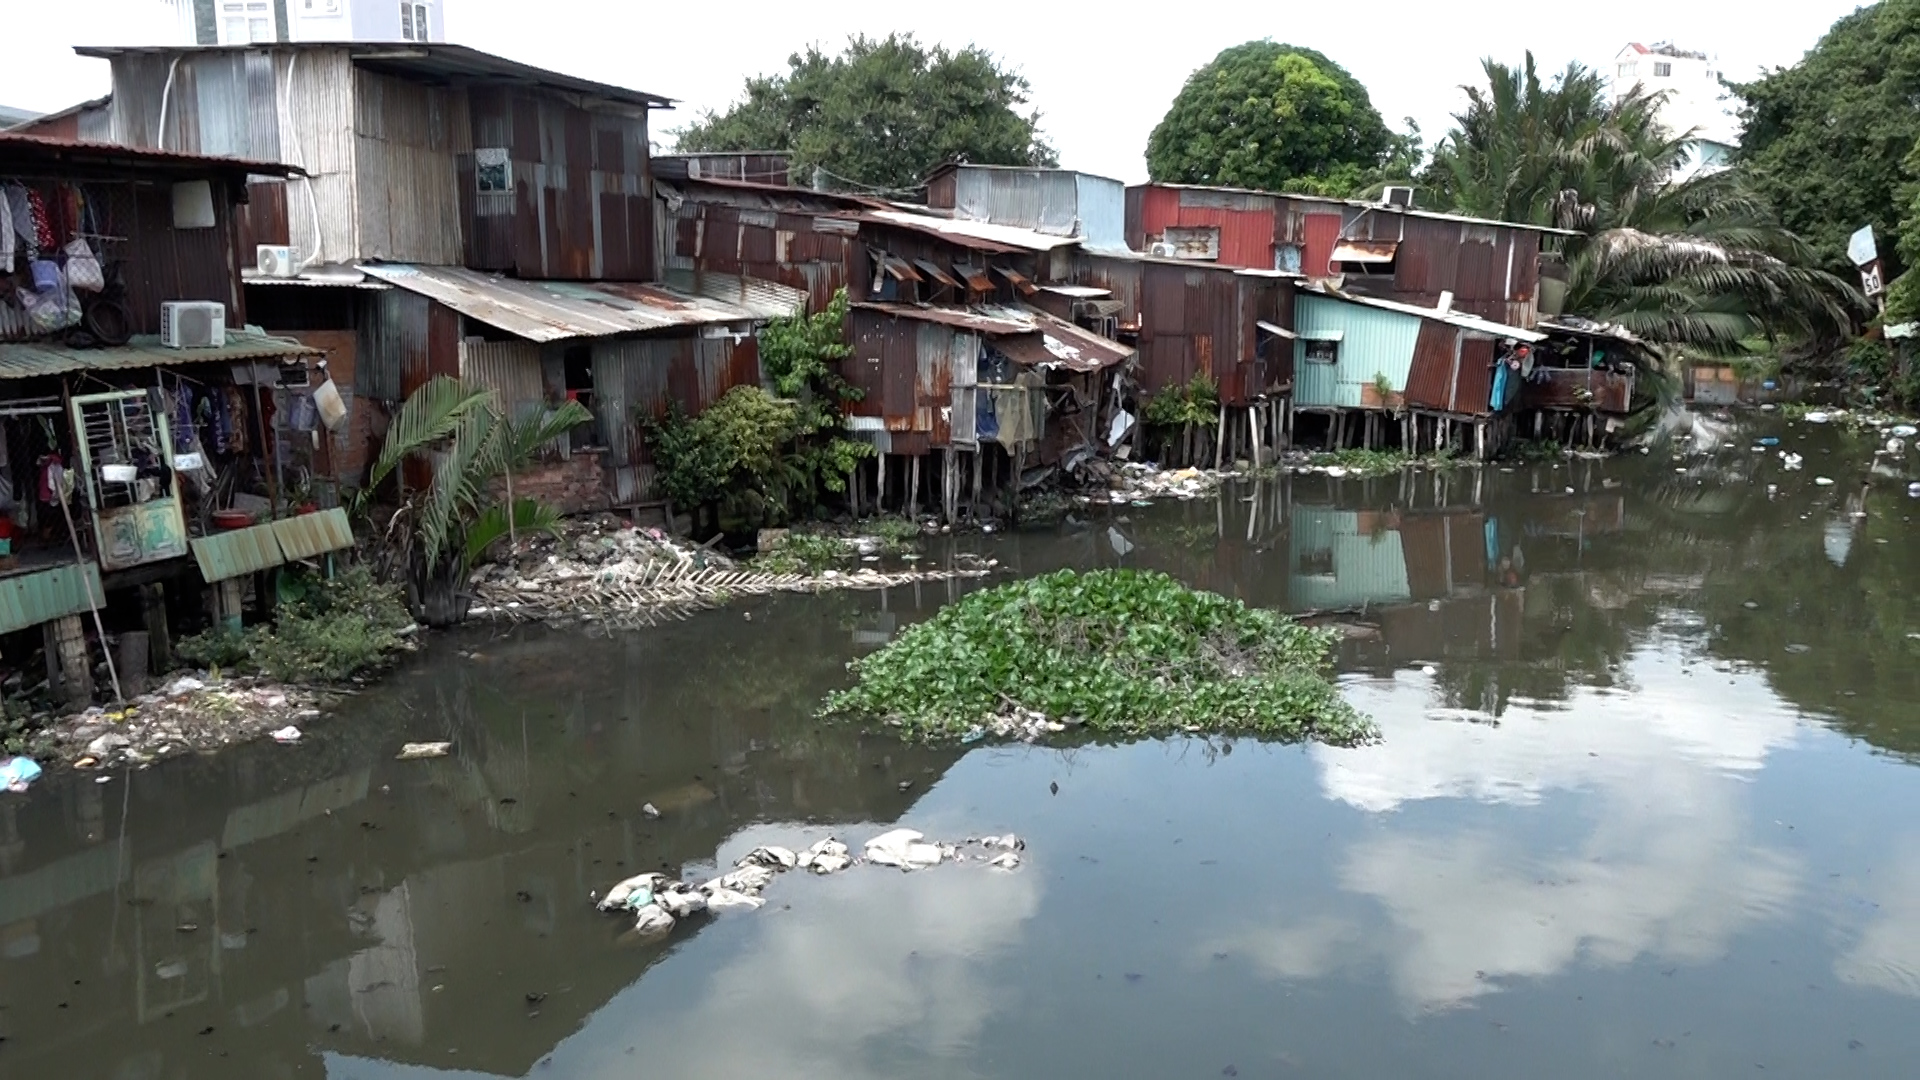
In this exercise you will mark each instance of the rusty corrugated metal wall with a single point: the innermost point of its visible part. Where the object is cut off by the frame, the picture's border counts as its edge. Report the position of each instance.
(1194, 319)
(1436, 360)
(406, 136)
(1473, 386)
(1566, 388)
(581, 207)
(803, 251)
(1492, 271)
(510, 369)
(1245, 220)
(635, 378)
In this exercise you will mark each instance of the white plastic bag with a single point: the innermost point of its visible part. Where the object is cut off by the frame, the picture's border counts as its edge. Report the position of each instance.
(83, 268)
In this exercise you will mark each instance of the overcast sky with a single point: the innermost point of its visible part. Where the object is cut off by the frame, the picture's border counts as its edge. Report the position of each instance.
(1102, 75)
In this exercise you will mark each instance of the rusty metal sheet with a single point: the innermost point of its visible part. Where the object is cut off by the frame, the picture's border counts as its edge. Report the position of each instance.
(898, 269)
(971, 233)
(932, 269)
(1365, 252)
(557, 310)
(1578, 388)
(1436, 355)
(305, 536)
(1019, 281)
(1473, 383)
(976, 279)
(25, 360)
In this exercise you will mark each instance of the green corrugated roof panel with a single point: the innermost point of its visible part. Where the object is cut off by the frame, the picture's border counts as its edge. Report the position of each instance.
(307, 535)
(25, 360)
(241, 551)
(31, 599)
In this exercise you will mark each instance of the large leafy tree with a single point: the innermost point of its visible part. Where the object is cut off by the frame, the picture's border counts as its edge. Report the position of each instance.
(1826, 138)
(882, 114)
(1698, 261)
(1275, 118)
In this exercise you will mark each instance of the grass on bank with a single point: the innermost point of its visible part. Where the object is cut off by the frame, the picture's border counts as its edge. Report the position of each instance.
(1125, 653)
(322, 631)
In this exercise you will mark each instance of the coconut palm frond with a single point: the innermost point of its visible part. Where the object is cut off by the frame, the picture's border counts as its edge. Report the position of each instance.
(429, 416)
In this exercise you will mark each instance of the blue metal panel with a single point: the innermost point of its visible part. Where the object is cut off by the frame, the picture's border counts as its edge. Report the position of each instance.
(1337, 564)
(1373, 342)
(1103, 211)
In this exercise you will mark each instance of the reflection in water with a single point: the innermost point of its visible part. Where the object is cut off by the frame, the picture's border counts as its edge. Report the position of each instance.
(1609, 813)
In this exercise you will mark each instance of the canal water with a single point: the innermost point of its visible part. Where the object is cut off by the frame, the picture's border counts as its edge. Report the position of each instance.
(1644, 805)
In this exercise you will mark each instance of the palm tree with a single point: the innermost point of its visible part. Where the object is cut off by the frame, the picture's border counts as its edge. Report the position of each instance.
(1697, 262)
(439, 532)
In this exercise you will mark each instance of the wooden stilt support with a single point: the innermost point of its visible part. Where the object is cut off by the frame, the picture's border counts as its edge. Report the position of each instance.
(1253, 437)
(68, 668)
(880, 493)
(153, 610)
(1220, 439)
(979, 453)
(913, 488)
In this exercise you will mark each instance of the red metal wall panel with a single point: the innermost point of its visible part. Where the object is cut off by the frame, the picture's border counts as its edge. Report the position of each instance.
(1473, 384)
(1430, 383)
(1321, 233)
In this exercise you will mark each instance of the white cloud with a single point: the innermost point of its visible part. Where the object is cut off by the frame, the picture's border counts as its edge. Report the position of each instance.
(1668, 864)
(1887, 954)
(1102, 81)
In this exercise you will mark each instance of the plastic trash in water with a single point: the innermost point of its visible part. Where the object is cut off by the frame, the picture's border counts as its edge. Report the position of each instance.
(624, 894)
(1904, 431)
(1008, 861)
(16, 773)
(974, 734)
(904, 848)
(747, 879)
(1823, 481)
(652, 919)
(1913, 490)
(724, 899)
(1769, 385)
(680, 900)
(650, 810)
(770, 857)
(1896, 446)
(287, 735)
(1818, 417)
(414, 751)
(1791, 462)
(829, 856)
(1770, 440)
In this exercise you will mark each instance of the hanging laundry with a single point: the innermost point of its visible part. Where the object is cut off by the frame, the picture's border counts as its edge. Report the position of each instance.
(20, 213)
(42, 228)
(7, 243)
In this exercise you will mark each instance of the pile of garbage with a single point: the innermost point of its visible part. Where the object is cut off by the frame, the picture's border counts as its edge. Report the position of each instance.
(605, 569)
(657, 903)
(1132, 482)
(1021, 723)
(191, 714)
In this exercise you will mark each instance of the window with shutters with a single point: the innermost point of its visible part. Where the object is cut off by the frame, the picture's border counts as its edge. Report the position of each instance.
(245, 22)
(413, 22)
(1663, 71)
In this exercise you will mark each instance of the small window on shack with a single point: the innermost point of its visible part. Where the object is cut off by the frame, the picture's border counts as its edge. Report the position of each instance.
(1628, 71)
(413, 22)
(493, 172)
(1663, 71)
(1321, 350)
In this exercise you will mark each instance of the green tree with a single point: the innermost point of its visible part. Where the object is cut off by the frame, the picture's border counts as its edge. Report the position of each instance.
(1698, 262)
(1825, 139)
(882, 114)
(442, 530)
(1275, 118)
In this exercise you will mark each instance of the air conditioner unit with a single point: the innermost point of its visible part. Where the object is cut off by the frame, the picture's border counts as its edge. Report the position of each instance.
(275, 261)
(193, 324)
(1397, 196)
(1164, 251)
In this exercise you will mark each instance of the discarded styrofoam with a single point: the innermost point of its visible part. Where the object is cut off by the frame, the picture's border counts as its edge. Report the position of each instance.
(287, 735)
(657, 902)
(414, 751)
(904, 848)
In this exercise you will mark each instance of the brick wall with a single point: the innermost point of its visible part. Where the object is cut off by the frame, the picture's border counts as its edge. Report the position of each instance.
(573, 486)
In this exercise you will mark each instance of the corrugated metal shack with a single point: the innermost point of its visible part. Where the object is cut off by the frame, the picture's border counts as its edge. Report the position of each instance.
(1057, 202)
(624, 350)
(1490, 268)
(1420, 370)
(821, 243)
(959, 382)
(156, 438)
(1232, 326)
(425, 153)
(1582, 378)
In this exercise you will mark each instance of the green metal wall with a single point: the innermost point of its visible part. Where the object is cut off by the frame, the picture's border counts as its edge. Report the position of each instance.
(1374, 342)
(1335, 566)
(31, 599)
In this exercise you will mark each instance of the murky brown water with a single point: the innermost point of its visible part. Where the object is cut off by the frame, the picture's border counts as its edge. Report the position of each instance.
(1644, 806)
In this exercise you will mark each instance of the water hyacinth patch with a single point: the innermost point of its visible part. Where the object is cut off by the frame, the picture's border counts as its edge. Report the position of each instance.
(1120, 652)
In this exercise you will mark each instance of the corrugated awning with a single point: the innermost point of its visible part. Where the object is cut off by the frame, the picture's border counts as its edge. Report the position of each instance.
(1025, 335)
(27, 600)
(1018, 280)
(29, 359)
(932, 270)
(558, 310)
(898, 269)
(977, 280)
(304, 536)
(1275, 329)
(231, 554)
(1365, 251)
(765, 299)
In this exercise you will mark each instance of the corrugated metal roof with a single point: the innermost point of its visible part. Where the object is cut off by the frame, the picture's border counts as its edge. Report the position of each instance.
(307, 535)
(23, 151)
(1078, 292)
(28, 600)
(954, 228)
(330, 278)
(26, 360)
(765, 299)
(1064, 343)
(932, 269)
(436, 61)
(1454, 318)
(557, 310)
(237, 552)
(1362, 204)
